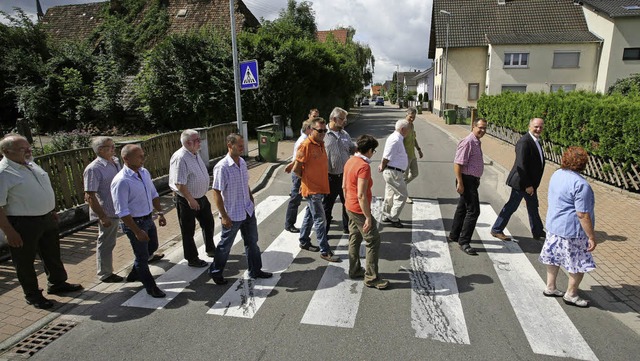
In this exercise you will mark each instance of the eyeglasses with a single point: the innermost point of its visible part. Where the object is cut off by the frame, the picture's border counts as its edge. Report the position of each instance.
(341, 118)
(321, 130)
(374, 151)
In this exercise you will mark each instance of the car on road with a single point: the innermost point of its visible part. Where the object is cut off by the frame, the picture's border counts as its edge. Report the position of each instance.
(365, 101)
(380, 101)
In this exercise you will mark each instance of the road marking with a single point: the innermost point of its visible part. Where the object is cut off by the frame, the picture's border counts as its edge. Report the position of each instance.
(245, 297)
(176, 279)
(436, 310)
(545, 324)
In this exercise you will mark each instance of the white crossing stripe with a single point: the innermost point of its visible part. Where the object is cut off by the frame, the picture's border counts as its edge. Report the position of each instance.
(337, 297)
(247, 295)
(436, 310)
(545, 324)
(176, 279)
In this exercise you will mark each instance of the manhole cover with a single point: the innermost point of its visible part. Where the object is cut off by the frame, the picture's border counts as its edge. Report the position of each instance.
(40, 339)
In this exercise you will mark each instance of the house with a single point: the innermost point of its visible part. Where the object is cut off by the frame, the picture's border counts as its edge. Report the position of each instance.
(509, 45)
(424, 83)
(375, 91)
(407, 81)
(340, 35)
(617, 22)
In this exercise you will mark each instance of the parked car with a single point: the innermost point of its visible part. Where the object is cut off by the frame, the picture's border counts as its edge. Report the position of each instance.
(365, 101)
(380, 101)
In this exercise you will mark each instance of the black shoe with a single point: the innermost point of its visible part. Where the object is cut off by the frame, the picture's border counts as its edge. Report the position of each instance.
(358, 274)
(219, 280)
(501, 236)
(542, 235)
(113, 278)
(63, 288)
(156, 258)
(133, 276)
(309, 247)
(262, 274)
(39, 302)
(469, 250)
(451, 239)
(396, 224)
(345, 231)
(292, 229)
(211, 254)
(198, 263)
(156, 292)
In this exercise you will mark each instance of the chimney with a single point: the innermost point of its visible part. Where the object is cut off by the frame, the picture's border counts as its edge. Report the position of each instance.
(502, 2)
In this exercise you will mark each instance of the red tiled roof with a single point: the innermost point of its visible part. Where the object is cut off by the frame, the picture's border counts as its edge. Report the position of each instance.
(340, 35)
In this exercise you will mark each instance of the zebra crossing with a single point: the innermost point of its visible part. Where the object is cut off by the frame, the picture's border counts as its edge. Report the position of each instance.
(436, 309)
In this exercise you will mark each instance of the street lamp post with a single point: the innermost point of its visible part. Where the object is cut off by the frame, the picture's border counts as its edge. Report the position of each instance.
(397, 85)
(446, 58)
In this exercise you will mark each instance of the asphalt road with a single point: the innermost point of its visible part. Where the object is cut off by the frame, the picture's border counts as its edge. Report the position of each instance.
(442, 304)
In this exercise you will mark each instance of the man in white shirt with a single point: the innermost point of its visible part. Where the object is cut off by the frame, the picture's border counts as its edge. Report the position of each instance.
(393, 165)
(295, 196)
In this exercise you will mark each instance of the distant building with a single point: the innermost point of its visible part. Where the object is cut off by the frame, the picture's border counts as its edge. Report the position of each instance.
(375, 90)
(424, 83)
(341, 35)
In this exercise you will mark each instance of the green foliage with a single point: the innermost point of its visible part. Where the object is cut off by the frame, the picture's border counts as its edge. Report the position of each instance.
(420, 97)
(627, 86)
(64, 141)
(607, 126)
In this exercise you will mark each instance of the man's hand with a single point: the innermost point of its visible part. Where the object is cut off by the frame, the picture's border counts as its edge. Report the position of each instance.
(105, 222)
(193, 204)
(142, 236)
(367, 225)
(226, 222)
(592, 245)
(460, 188)
(289, 167)
(380, 168)
(529, 190)
(14, 239)
(420, 153)
(55, 216)
(162, 221)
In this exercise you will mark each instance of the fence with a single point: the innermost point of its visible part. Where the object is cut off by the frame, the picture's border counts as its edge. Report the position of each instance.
(605, 170)
(65, 168)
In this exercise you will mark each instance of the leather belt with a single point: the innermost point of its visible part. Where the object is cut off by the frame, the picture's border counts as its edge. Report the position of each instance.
(394, 168)
(148, 216)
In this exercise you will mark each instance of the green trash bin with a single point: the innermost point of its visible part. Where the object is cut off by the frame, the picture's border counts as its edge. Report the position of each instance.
(450, 116)
(267, 143)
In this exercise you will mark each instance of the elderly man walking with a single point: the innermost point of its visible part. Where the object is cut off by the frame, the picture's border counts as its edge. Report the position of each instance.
(393, 165)
(134, 200)
(295, 196)
(410, 145)
(236, 207)
(339, 148)
(97, 193)
(29, 221)
(189, 180)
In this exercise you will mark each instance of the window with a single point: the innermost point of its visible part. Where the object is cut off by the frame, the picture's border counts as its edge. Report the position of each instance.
(565, 87)
(516, 60)
(514, 88)
(631, 54)
(566, 59)
(474, 91)
(440, 68)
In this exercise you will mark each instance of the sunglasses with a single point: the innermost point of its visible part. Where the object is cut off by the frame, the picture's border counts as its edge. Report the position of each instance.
(321, 130)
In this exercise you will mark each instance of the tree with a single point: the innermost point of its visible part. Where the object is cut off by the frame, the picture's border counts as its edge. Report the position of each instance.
(626, 86)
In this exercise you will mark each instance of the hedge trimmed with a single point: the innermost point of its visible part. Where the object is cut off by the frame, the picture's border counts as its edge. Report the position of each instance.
(605, 125)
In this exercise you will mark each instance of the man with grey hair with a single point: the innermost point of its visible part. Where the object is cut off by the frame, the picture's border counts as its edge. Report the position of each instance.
(393, 165)
(410, 145)
(189, 179)
(97, 182)
(29, 221)
(339, 148)
(134, 199)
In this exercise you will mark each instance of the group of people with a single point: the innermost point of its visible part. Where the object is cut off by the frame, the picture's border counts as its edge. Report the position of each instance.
(570, 236)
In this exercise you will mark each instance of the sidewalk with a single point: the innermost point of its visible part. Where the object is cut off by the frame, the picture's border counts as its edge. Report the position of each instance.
(616, 280)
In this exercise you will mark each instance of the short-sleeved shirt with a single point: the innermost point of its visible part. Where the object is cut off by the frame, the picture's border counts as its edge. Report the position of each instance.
(97, 177)
(469, 156)
(133, 194)
(410, 143)
(188, 169)
(25, 190)
(394, 151)
(315, 169)
(232, 180)
(301, 139)
(339, 148)
(357, 167)
(569, 193)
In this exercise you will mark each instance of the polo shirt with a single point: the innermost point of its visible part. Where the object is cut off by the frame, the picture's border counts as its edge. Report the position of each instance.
(410, 143)
(97, 178)
(315, 169)
(25, 190)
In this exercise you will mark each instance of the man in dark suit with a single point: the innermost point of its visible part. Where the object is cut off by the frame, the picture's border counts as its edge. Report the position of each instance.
(524, 180)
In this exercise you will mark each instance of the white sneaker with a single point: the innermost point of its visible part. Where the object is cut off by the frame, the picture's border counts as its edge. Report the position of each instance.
(409, 200)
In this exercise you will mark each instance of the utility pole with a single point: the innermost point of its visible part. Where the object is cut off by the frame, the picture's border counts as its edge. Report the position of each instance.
(446, 59)
(236, 78)
(398, 86)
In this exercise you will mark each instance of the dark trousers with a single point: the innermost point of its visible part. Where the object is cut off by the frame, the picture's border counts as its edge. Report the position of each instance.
(142, 250)
(512, 205)
(467, 212)
(249, 230)
(335, 190)
(39, 236)
(294, 201)
(187, 219)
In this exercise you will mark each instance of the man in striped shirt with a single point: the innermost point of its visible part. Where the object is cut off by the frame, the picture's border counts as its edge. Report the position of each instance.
(468, 166)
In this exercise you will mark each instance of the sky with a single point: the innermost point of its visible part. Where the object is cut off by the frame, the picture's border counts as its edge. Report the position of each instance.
(396, 31)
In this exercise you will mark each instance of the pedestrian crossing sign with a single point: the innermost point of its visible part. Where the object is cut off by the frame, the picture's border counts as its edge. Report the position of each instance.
(249, 75)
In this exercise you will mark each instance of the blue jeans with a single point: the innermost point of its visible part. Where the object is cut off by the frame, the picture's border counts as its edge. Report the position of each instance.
(512, 205)
(249, 230)
(314, 216)
(142, 250)
(294, 201)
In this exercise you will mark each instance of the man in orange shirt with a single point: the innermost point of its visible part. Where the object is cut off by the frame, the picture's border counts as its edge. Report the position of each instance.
(312, 166)
(356, 185)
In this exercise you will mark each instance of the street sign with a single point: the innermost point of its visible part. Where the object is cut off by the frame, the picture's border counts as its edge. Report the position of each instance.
(249, 75)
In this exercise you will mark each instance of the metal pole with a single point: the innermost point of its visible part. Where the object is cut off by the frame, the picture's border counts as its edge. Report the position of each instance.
(236, 78)
(446, 59)
(397, 85)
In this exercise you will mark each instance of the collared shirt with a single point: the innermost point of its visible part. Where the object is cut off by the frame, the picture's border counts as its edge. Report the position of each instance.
(394, 151)
(97, 178)
(301, 139)
(539, 146)
(469, 156)
(232, 180)
(410, 142)
(339, 148)
(569, 193)
(132, 194)
(357, 167)
(188, 169)
(315, 169)
(25, 190)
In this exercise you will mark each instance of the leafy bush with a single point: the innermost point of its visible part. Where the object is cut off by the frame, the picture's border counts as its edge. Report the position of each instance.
(64, 141)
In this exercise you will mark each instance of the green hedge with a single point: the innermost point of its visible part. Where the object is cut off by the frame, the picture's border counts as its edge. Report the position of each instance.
(606, 125)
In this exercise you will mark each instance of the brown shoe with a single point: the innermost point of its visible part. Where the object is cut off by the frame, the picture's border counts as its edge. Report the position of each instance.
(377, 283)
(501, 236)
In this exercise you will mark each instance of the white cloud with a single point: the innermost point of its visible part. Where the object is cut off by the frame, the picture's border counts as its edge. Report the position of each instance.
(396, 31)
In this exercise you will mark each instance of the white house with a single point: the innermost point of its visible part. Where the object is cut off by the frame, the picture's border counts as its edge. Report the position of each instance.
(424, 83)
